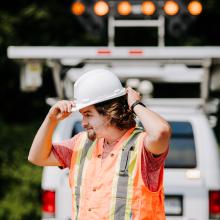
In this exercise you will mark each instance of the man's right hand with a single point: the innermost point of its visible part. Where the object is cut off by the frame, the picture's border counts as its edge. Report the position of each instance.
(41, 149)
(61, 110)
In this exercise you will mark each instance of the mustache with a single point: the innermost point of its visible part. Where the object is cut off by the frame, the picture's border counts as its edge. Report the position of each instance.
(87, 127)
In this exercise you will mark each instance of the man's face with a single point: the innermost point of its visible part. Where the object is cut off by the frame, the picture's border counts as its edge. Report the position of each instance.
(94, 123)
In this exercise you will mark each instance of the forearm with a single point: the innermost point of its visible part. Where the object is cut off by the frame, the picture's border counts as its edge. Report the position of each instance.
(42, 143)
(157, 129)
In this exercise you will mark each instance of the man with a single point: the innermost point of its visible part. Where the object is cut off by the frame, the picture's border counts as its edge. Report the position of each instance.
(116, 168)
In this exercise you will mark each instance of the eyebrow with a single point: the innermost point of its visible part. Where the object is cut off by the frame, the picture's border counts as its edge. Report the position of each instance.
(88, 111)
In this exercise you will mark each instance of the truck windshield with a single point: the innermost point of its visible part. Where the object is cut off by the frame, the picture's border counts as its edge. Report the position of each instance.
(182, 146)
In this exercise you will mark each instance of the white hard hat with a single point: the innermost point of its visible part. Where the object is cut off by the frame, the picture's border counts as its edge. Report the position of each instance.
(96, 86)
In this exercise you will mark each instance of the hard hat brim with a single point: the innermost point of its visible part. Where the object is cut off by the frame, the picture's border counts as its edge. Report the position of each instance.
(79, 106)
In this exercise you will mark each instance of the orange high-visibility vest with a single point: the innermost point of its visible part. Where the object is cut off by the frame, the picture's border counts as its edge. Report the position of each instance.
(113, 190)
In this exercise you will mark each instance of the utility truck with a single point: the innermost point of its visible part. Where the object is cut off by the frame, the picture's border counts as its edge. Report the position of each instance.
(192, 169)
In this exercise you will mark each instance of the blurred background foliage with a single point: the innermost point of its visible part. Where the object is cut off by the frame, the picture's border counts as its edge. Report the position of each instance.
(51, 23)
(20, 181)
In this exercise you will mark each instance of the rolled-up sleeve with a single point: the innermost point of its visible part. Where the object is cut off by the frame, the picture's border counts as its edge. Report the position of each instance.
(151, 168)
(63, 154)
(63, 151)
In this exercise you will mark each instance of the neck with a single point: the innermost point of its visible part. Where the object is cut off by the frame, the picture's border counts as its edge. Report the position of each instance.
(114, 135)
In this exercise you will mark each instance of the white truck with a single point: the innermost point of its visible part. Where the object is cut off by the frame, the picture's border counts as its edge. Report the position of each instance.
(192, 169)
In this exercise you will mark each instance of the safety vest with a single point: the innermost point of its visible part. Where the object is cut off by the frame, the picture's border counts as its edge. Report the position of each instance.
(122, 193)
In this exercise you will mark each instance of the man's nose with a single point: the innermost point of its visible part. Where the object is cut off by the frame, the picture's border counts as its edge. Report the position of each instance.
(84, 122)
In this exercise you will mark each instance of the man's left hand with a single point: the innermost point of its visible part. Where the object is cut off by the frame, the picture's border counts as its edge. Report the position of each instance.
(132, 96)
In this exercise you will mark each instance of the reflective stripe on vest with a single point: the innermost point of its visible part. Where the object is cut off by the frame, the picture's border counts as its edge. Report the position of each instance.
(85, 150)
(123, 177)
(84, 146)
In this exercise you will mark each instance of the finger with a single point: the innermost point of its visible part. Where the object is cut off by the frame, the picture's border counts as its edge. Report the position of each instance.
(69, 105)
(128, 90)
(65, 114)
(63, 106)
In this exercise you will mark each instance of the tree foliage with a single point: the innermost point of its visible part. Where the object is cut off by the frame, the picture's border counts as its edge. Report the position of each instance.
(20, 181)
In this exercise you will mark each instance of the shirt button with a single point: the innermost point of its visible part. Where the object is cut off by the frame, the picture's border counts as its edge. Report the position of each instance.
(89, 209)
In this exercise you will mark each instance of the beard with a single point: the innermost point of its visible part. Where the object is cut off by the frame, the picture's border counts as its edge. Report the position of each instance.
(91, 134)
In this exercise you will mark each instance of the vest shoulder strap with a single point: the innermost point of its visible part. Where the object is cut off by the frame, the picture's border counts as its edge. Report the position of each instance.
(84, 152)
(129, 146)
(123, 179)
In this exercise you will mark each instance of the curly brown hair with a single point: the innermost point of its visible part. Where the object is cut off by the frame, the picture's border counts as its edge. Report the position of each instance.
(118, 111)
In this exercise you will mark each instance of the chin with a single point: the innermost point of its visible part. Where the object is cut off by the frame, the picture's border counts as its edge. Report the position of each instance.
(91, 134)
